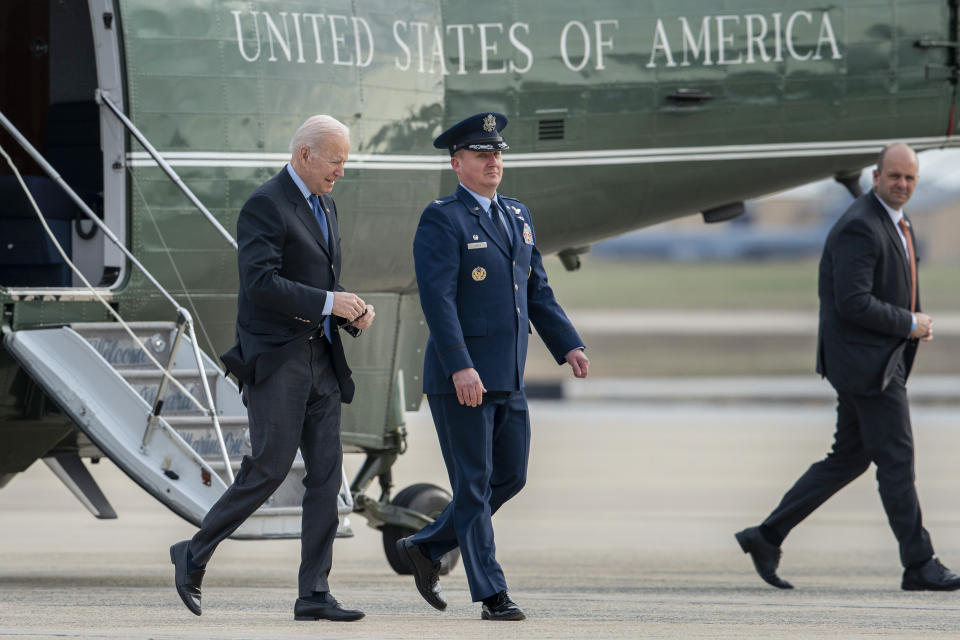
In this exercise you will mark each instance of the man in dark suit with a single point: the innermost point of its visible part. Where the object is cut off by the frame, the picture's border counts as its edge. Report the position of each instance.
(870, 325)
(482, 283)
(290, 363)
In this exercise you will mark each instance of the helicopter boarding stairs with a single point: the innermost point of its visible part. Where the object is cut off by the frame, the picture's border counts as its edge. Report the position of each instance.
(106, 384)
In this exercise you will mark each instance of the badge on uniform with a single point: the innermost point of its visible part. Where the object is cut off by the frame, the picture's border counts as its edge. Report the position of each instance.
(527, 234)
(479, 274)
(476, 245)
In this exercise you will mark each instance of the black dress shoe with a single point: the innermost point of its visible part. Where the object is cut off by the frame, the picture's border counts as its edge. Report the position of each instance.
(766, 557)
(501, 607)
(426, 573)
(931, 576)
(188, 582)
(329, 609)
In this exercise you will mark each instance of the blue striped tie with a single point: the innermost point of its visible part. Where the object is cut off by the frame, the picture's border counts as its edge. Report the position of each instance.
(322, 220)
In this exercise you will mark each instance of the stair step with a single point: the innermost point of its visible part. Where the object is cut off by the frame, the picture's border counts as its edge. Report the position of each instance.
(146, 382)
(202, 438)
(188, 422)
(116, 346)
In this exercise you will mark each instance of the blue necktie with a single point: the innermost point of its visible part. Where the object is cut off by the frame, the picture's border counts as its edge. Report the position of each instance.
(322, 220)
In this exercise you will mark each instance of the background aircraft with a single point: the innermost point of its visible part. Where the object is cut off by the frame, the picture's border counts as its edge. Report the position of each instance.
(622, 115)
(813, 207)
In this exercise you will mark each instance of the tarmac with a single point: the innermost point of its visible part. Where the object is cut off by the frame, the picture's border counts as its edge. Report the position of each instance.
(624, 530)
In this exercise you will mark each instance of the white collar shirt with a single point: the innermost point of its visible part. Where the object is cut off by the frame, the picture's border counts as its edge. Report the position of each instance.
(895, 217)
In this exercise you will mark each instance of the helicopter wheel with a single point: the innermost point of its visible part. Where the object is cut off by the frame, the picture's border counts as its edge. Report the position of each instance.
(430, 500)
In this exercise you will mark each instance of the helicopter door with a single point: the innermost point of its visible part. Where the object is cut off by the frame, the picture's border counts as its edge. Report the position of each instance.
(53, 62)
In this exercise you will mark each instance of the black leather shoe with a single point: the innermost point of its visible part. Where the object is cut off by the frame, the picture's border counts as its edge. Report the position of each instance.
(931, 576)
(329, 609)
(502, 608)
(188, 582)
(766, 557)
(426, 573)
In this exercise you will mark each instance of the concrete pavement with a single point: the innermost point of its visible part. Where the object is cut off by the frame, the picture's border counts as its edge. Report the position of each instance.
(625, 530)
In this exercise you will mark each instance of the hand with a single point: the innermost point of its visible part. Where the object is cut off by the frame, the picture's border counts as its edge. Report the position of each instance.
(924, 329)
(365, 319)
(579, 362)
(347, 305)
(469, 388)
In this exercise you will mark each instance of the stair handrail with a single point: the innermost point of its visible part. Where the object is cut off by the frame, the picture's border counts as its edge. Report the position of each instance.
(210, 409)
(103, 98)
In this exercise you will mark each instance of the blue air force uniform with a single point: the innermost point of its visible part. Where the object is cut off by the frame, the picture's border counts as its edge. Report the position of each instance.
(481, 289)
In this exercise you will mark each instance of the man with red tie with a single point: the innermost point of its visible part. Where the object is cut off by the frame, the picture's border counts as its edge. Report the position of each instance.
(870, 327)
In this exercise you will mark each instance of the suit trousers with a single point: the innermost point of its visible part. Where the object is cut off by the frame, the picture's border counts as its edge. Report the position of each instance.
(298, 405)
(874, 428)
(485, 449)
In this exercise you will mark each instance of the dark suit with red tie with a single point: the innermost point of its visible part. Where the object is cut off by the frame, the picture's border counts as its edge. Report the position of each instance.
(865, 353)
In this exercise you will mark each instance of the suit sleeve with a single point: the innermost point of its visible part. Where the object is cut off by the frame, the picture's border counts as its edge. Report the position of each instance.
(260, 240)
(545, 313)
(855, 259)
(436, 257)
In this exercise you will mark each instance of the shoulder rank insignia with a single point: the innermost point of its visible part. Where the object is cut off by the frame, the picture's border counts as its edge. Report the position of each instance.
(438, 202)
(516, 211)
(527, 234)
(479, 274)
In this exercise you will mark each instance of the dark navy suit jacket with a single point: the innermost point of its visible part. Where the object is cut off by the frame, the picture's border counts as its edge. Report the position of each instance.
(286, 269)
(479, 296)
(864, 289)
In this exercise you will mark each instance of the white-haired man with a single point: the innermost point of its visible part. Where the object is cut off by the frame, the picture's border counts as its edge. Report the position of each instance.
(290, 363)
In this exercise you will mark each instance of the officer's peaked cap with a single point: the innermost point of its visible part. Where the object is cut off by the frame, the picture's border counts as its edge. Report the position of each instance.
(480, 132)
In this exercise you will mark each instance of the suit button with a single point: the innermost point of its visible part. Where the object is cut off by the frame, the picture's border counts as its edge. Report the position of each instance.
(514, 263)
(516, 288)
(518, 310)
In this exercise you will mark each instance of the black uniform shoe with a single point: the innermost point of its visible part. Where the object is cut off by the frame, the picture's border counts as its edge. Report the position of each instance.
(188, 582)
(501, 607)
(930, 576)
(328, 609)
(426, 573)
(766, 557)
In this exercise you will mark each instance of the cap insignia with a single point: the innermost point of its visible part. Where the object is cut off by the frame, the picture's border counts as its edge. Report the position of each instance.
(489, 123)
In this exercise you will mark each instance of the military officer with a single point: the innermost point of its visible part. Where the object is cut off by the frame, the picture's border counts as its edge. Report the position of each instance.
(482, 283)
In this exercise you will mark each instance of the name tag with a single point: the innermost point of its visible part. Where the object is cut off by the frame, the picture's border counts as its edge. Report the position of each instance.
(476, 245)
